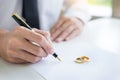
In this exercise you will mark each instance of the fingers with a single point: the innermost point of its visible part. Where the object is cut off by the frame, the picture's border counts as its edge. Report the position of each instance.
(15, 60)
(61, 29)
(45, 34)
(64, 34)
(58, 24)
(20, 47)
(28, 57)
(70, 26)
(37, 38)
(33, 49)
(72, 35)
(23, 44)
(25, 56)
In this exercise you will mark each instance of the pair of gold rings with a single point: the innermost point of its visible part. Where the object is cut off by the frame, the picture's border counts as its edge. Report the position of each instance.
(82, 59)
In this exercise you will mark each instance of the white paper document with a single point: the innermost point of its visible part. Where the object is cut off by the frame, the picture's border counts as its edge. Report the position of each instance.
(10, 71)
(103, 65)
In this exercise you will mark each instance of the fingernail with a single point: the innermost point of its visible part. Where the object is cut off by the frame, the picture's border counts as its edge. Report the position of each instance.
(45, 55)
(66, 39)
(51, 51)
(59, 39)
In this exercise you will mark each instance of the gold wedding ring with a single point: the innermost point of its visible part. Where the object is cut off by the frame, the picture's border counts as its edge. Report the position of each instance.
(82, 59)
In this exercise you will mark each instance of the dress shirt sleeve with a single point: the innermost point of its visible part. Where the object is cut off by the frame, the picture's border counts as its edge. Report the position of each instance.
(76, 8)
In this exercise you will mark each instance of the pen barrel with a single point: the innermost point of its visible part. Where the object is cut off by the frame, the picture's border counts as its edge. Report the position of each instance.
(20, 21)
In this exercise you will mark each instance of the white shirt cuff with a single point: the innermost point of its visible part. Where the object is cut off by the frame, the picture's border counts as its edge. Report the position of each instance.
(82, 15)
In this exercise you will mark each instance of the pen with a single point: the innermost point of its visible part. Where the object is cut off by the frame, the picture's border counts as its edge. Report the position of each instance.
(21, 22)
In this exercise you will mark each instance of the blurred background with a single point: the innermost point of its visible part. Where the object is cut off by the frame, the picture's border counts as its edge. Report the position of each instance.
(103, 8)
(100, 8)
(104, 32)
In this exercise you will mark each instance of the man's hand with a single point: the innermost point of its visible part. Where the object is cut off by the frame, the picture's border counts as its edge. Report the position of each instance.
(17, 45)
(66, 28)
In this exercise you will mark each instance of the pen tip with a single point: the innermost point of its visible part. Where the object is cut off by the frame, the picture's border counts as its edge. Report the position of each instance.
(58, 58)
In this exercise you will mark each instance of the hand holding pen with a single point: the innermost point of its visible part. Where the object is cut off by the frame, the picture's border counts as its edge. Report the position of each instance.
(17, 47)
(44, 35)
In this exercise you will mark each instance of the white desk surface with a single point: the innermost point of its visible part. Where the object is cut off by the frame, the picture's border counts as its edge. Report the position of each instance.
(100, 41)
(103, 33)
